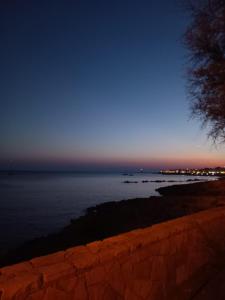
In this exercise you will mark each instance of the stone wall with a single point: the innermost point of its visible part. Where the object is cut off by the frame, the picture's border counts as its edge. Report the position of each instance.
(179, 259)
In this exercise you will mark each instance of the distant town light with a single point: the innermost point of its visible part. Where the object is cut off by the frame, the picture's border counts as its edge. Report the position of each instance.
(219, 171)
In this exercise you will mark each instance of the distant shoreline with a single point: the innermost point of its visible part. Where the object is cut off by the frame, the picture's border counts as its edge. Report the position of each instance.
(112, 218)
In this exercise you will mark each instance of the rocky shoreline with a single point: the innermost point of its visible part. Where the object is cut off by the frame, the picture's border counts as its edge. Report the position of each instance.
(111, 218)
(162, 181)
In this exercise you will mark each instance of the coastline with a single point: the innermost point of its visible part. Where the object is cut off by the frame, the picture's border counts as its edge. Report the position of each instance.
(112, 218)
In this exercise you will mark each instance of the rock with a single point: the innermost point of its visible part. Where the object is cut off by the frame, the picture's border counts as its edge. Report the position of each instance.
(127, 181)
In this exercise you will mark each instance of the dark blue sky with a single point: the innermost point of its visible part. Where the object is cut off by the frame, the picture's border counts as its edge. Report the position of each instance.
(93, 84)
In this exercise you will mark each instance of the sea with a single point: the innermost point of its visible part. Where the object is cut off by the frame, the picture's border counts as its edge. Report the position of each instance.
(34, 204)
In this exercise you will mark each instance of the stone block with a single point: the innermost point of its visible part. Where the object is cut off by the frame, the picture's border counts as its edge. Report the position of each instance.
(81, 257)
(114, 277)
(141, 288)
(20, 286)
(55, 294)
(159, 269)
(130, 295)
(80, 291)
(16, 269)
(66, 283)
(142, 270)
(95, 275)
(157, 291)
(127, 271)
(103, 292)
(94, 247)
(48, 259)
(39, 295)
(181, 273)
(55, 272)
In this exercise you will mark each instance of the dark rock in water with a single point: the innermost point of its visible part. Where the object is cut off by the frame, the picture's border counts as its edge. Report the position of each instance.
(127, 174)
(127, 181)
(144, 181)
(158, 181)
(196, 179)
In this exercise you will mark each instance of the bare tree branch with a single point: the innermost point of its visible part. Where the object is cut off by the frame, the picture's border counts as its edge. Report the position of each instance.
(205, 40)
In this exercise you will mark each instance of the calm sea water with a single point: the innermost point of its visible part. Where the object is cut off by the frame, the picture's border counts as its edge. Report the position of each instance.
(35, 204)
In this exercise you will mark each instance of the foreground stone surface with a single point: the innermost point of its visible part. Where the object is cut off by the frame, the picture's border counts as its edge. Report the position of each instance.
(179, 259)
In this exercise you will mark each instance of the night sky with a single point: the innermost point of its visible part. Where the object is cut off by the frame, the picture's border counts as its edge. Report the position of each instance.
(96, 85)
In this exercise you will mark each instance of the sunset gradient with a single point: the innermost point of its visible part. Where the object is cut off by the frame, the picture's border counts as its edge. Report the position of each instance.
(97, 85)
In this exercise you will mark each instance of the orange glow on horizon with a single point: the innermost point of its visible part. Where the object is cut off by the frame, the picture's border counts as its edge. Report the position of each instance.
(141, 162)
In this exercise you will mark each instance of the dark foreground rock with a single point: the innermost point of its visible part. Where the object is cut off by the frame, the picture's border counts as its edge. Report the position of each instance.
(112, 218)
